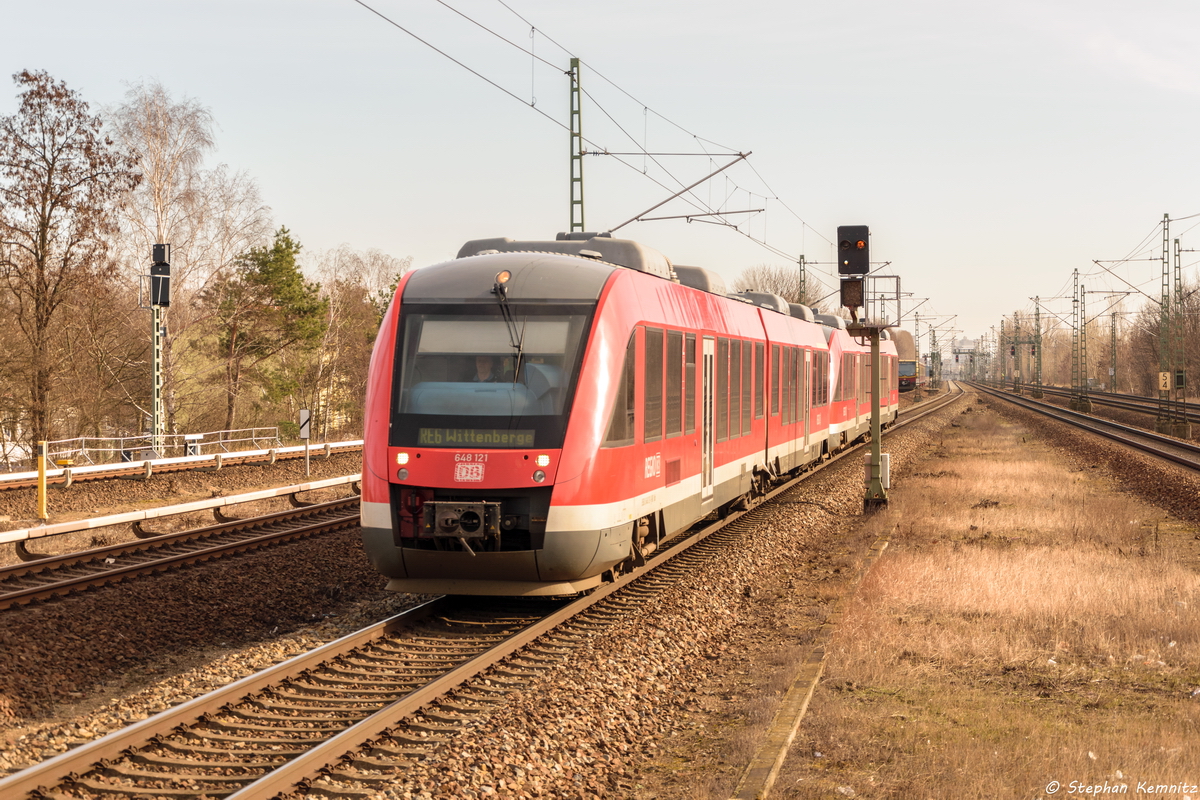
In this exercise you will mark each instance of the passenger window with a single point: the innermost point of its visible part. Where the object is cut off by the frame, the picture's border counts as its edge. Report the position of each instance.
(735, 390)
(760, 377)
(722, 389)
(674, 383)
(620, 425)
(689, 381)
(653, 381)
(774, 379)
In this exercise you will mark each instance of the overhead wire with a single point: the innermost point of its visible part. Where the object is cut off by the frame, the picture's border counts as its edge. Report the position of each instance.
(644, 150)
(692, 199)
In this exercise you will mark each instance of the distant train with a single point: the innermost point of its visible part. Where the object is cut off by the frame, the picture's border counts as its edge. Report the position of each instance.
(540, 415)
(912, 374)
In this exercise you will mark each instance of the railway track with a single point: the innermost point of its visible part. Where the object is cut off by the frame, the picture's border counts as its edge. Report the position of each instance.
(1123, 402)
(66, 476)
(343, 718)
(55, 576)
(1176, 451)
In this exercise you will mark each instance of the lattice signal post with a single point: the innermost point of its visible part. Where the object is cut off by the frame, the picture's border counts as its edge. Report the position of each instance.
(854, 263)
(160, 299)
(576, 150)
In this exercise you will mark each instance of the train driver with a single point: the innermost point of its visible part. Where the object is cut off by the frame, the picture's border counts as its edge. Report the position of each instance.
(485, 369)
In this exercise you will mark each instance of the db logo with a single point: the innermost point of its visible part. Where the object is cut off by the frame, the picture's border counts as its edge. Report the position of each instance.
(468, 473)
(654, 465)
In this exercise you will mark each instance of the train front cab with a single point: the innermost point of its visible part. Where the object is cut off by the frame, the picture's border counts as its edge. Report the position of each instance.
(468, 404)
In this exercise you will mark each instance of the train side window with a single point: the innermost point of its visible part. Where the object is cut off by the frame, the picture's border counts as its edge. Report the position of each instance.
(794, 373)
(735, 390)
(825, 381)
(760, 377)
(722, 389)
(786, 366)
(620, 425)
(674, 383)
(689, 384)
(805, 377)
(799, 385)
(747, 386)
(653, 383)
(774, 380)
(820, 381)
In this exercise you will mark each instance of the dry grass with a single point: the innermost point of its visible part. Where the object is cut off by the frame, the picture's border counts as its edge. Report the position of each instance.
(1027, 625)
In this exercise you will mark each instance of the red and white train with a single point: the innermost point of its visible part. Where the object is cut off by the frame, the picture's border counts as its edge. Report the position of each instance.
(541, 415)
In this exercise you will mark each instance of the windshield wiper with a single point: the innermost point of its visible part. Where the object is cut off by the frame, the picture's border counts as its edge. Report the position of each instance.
(516, 338)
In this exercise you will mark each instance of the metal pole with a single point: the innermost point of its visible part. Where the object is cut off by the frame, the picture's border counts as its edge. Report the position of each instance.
(158, 423)
(1164, 423)
(576, 151)
(1112, 358)
(1037, 346)
(1181, 427)
(918, 389)
(1085, 402)
(876, 493)
(41, 468)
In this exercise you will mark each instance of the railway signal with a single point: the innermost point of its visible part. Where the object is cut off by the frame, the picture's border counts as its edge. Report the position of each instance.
(854, 264)
(853, 250)
(160, 276)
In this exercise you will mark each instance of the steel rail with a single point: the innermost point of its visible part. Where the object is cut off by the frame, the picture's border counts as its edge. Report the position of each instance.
(32, 570)
(1138, 404)
(1185, 453)
(60, 475)
(76, 761)
(314, 762)
(302, 770)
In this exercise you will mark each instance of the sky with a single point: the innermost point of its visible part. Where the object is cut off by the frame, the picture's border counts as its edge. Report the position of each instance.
(992, 148)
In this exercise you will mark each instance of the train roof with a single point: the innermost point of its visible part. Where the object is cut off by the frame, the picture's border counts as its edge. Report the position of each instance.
(700, 278)
(596, 246)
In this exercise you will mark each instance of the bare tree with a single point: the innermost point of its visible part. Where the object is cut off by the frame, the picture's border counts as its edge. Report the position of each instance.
(60, 180)
(359, 285)
(781, 280)
(209, 217)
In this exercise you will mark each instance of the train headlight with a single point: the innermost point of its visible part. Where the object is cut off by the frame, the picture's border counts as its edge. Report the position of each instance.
(402, 474)
(542, 461)
(402, 458)
(538, 476)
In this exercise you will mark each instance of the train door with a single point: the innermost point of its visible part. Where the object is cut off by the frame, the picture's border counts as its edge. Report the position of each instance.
(706, 425)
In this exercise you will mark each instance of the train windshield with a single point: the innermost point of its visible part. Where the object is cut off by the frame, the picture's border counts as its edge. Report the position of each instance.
(908, 369)
(475, 376)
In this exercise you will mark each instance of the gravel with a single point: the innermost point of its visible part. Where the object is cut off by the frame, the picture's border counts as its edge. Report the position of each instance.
(593, 726)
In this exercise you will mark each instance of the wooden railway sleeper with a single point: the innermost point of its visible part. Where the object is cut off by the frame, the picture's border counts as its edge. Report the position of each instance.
(310, 709)
(131, 774)
(106, 788)
(256, 767)
(338, 715)
(190, 749)
(379, 763)
(269, 741)
(235, 728)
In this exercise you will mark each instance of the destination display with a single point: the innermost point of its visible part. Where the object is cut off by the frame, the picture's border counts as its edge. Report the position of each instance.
(473, 437)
